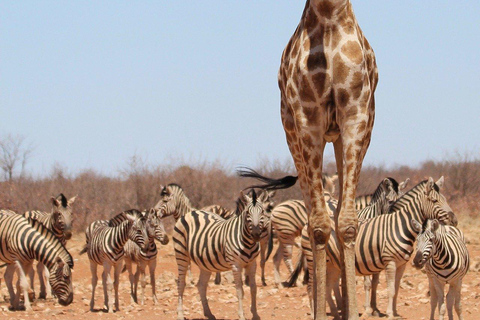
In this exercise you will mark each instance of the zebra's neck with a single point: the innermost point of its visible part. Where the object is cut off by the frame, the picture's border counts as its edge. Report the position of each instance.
(182, 206)
(120, 234)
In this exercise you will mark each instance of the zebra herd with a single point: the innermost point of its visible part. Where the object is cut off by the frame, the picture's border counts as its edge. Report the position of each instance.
(391, 221)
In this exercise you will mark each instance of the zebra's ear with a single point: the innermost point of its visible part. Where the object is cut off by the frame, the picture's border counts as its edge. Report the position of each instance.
(416, 226)
(72, 200)
(271, 194)
(130, 217)
(55, 202)
(434, 225)
(60, 262)
(440, 182)
(429, 186)
(403, 184)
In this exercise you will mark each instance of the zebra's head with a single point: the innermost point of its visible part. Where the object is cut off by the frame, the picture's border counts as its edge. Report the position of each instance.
(173, 201)
(61, 281)
(435, 206)
(425, 241)
(62, 214)
(156, 226)
(257, 219)
(138, 230)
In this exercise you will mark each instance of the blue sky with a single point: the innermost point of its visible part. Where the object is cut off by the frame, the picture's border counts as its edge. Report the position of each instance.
(90, 84)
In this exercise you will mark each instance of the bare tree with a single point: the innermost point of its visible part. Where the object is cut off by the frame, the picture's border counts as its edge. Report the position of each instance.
(14, 155)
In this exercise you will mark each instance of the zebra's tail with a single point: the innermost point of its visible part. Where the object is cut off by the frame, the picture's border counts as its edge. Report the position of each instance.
(83, 250)
(270, 184)
(270, 243)
(3, 265)
(294, 276)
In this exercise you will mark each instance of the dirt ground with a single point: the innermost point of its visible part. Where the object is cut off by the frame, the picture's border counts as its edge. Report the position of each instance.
(273, 303)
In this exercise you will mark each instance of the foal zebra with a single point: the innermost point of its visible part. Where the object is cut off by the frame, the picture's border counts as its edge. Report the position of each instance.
(144, 258)
(386, 242)
(105, 247)
(442, 250)
(24, 240)
(59, 221)
(215, 244)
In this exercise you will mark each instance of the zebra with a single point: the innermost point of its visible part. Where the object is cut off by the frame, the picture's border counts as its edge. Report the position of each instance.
(173, 201)
(289, 218)
(59, 221)
(266, 244)
(442, 250)
(23, 240)
(148, 257)
(215, 244)
(385, 242)
(105, 247)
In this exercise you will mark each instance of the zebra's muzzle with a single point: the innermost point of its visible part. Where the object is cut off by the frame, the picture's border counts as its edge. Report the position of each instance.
(165, 240)
(419, 260)
(66, 302)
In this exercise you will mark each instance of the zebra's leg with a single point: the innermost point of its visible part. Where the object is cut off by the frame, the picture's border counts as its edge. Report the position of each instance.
(277, 258)
(373, 300)
(457, 286)
(237, 275)
(251, 270)
(367, 287)
(93, 270)
(398, 277)
(22, 283)
(218, 278)
(190, 276)
(433, 297)
(182, 264)
(390, 271)
(8, 276)
(202, 290)
(450, 301)
(152, 265)
(263, 248)
(43, 276)
(141, 267)
(107, 286)
(440, 286)
(131, 277)
(117, 270)
(31, 275)
(333, 277)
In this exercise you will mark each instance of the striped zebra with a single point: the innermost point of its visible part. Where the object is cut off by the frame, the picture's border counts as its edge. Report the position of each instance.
(386, 242)
(23, 241)
(59, 221)
(105, 247)
(215, 244)
(289, 218)
(365, 200)
(266, 244)
(145, 258)
(442, 250)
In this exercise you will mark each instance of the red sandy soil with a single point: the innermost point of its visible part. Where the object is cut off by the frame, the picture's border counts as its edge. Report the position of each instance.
(273, 303)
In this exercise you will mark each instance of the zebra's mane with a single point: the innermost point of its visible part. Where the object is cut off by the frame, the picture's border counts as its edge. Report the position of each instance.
(399, 201)
(62, 199)
(122, 216)
(394, 184)
(50, 237)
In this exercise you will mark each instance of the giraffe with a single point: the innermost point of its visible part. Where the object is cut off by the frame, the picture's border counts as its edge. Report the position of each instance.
(327, 80)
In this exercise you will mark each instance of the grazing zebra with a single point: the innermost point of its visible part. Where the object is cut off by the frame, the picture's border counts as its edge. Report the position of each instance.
(148, 257)
(105, 247)
(385, 242)
(59, 221)
(215, 244)
(442, 250)
(24, 240)
(289, 218)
